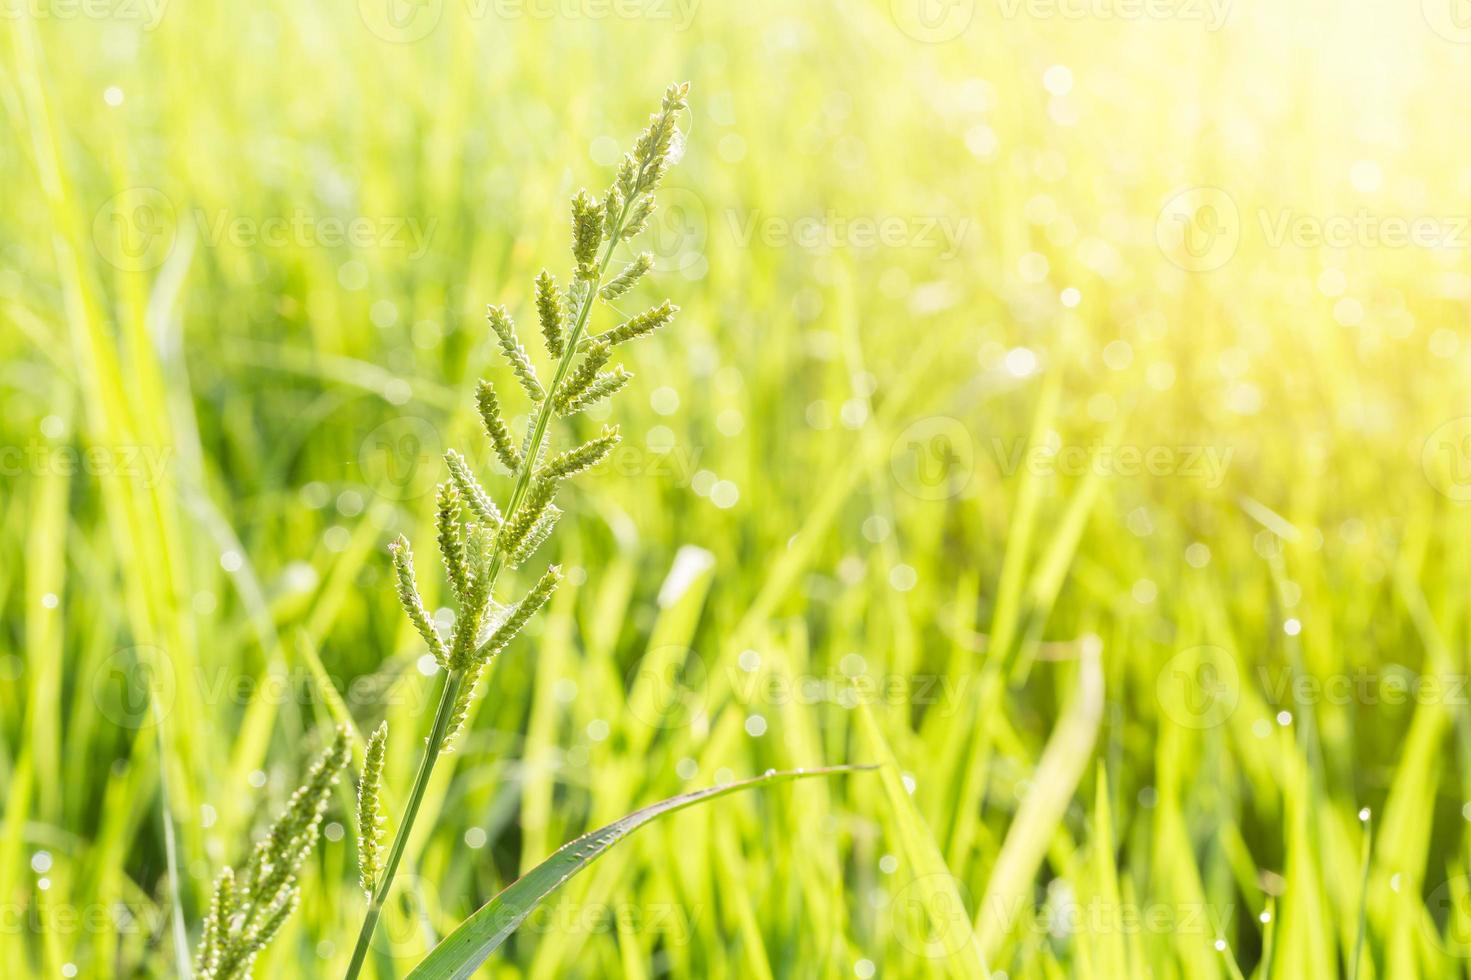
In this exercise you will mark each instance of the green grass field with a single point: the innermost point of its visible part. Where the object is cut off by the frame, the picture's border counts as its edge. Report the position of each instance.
(1068, 413)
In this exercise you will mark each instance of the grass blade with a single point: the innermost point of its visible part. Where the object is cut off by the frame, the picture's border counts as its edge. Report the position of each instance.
(463, 950)
(1055, 781)
(934, 895)
(171, 854)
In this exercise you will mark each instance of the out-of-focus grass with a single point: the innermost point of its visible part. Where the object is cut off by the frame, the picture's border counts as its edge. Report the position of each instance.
(1136, 701)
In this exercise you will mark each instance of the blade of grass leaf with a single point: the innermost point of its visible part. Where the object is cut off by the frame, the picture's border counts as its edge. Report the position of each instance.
(463, 950)
(1063, 763)
(935, 888)
(180, 936)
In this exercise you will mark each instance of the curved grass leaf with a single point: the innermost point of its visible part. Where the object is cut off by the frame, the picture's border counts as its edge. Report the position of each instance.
(463, 950)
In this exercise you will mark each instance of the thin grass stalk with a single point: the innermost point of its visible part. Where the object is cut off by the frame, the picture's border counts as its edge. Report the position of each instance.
(455, 677)
(447, 697)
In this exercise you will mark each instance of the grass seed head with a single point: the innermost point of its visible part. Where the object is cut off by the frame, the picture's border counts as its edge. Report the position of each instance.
(549, 311)
(371, 819)
(413, 605)
(484, 509)
(587, 230)
(516, 356)
(451, 544)
(495, 426)
(625, 280)
(248, 909)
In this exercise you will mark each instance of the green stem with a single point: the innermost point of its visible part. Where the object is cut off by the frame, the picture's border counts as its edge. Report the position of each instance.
(442, 715)
(544, 416)
(456, 678)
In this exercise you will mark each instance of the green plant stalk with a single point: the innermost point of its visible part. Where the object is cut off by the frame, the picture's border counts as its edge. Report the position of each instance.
(401, 839)
(455, 678)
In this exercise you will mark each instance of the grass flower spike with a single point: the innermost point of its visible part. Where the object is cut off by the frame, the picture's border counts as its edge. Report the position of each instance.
(479, 538)
(249, 908)
(370, 810)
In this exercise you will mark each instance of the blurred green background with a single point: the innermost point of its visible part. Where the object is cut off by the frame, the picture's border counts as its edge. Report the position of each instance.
(1069, 403)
